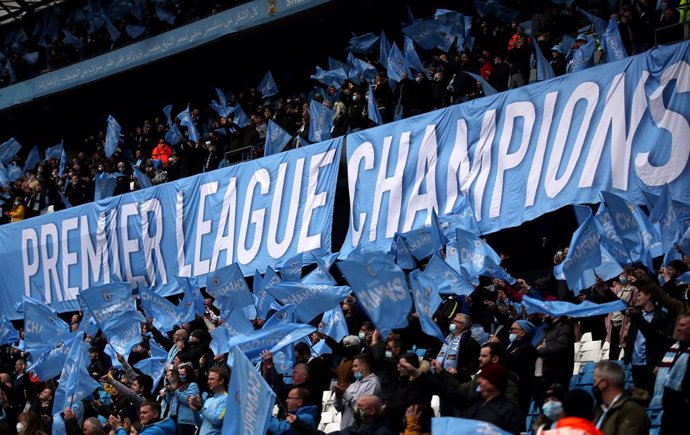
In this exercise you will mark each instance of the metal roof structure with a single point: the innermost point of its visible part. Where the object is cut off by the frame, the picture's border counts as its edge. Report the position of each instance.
(13, 10)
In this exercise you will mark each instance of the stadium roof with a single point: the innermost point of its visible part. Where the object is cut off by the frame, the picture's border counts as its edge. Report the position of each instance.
(12, 10)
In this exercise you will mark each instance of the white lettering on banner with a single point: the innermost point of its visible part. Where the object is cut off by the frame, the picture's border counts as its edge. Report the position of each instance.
(68, 258)
(378, 293)
(130, 245)
(277, 249)
(538, 161)
(203, 227)
(32, 327)
(363, 152)
(94, 258)
(49, 257)
(313, 201)
(392, 185)
(183, 269)
(244, 255)
(29, 238)
(152, 243)
(425, 173)
(225, 238)
(422, 304)
(251, 402)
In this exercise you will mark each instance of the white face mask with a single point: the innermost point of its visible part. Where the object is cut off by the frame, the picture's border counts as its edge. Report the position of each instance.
(20, 427)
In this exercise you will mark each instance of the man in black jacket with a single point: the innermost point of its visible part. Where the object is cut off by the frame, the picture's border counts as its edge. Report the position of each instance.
(557, 353)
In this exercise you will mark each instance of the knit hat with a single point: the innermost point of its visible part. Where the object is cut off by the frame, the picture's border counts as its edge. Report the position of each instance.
(528, 327)
(496, 374)
(557, 48)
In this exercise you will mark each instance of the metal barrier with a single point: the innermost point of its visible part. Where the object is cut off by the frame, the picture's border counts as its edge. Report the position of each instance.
(673, 33)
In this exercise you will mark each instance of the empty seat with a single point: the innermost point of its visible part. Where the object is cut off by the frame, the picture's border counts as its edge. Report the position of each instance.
(590, 355)
(587, 336)
(331, 427)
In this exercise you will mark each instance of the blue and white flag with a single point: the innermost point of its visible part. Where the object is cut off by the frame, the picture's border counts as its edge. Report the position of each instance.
(276, 138)
(14, 172)
(32, 159)
(8, 150)
(334, 64)
(240, 118)
(108, 300)
(275, 338)
(332, 77)
(55, 151)
(333, 324)
(381, 290)
(229, 282)
(164, 15)
(360, 70)
(191, 295)
(42, 327)
(173, 135)
(560, 308)
(291, 269)
(284, 315)
(310, 300)
(186, 120)
(501, 12)
(486, 87)
(250, 400)
(373, 108)
(112, 30)
(447, 279)
(420, 243)
(8, 335)
(221, 106)
(321, 275)
(426, 302)
(636, 232)
(134, 31)
(609, 237)
(425, 33)
(412, 60)
(384, 49)
(403, 256)
(63, 163)
(143, 179)
(49, 364)
(268, 86)
(463, 426)
(363, 43)
(396, 64)
(612, 42)
(123, 332)
(475, 255)
(154, 366)
(608, 269)
(76, 384)
(583, 57)
(235, 323)
(4, 177)
(105, 184)
(544, 69)
(320, 121)
(460, 216)
(112, 136)
(670, 227)
(70, 39)
(600, 25)
(164, 313)
(265, 300)
(584, 253)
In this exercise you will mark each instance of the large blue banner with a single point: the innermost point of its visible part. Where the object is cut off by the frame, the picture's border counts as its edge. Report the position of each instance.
(621, 127)
(255, 214)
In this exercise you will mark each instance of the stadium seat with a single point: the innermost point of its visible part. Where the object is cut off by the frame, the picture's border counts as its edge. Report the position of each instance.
(590, 355)
(436, 405)
(587, 336)
(331, 427)
(590, 345)
(326, 417)
(587, 378)
(576, 368)
(587, 367)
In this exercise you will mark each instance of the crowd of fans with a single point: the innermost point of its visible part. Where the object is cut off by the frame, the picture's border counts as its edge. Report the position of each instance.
(501, 53)
(496, 365)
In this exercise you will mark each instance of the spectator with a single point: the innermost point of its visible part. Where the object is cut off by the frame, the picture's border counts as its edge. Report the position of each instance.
(460, 352)
(577, 415)
(162, 152)
(212, 410)
(17, 212)
(299, 414)
(557, 352)
(619, 413)
(366, 383)
(178, 393)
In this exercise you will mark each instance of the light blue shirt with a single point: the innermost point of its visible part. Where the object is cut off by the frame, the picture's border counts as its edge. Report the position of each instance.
(212, 414)
(639, 355)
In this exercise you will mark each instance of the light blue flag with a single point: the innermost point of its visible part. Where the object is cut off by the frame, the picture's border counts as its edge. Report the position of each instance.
(583, 57)
(310, 300)
(154, 366)
(320, 121)
(186, 120)
(165, 16)
(584, 252)
(284, 315)
(560, 308)
(108, 300)
(164, 313)
(609, 237)
(460, 216)
(421, 243)
(426, 302)
(333, 77)
(134, 31)
(42, 327)
(221, 106)
(76, 384)
(669, 225)
(501, 12)
(112, 30)
(384, 49)
(372, 107)
(250, 400)
(88, 324)
(486, 87)
(600, 26)
(608, 269)
(8, 335)
(321, 274)
(31, 58)
(425, 33)
(70, 39)
(276, 138)
(191, 293)
(381, 290)
(55, 152)
(105, 185)
(636, 232)
(360, 70)
(4, 178)
(333, 324)
(544, 69)
(14, 172)
(123, 332)
(447, 279)
(363, 43)
(49, 364)
(8, 150)
(412, 60)
(265, 299)
(475, 255)
(463, 426)
(234, 324)
(229, 282)
(268, 86)
(143, 179)
(241, 118)
(612, 42)
(173, 135)
(112, 136)
(396, 64)
(32, 159)
(334, 64)
(403, 256)
(253, 342)
(291, 269)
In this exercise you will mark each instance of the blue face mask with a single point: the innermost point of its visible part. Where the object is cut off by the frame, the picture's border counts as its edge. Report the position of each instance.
(552, 409)
(183, 378)
(512, 337)
(358, 376)
(453, 327)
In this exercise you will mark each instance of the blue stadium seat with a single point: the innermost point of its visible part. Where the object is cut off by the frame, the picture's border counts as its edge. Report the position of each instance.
(588, 367)
(586, 379)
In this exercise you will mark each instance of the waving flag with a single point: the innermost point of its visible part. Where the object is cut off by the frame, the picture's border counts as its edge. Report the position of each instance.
(291, 269)
(241, 118)
(154, 366)
(372, 107)
(475, 255)
(4, 177)
(332, 77)
(186, 120)
(14, 172)
(544, 69)
(609, 237)
(76, 384)
(63, 163)
(250, 400)
(235, 323)
(501, 12)
(384, 49)
(8, 150)
(364, 43)
(426, 302)
(584, 253)
(105, 185)
(8, 334)
(42, 327)
(333, 325)
(425, 33)
(229, 282)
(70, 39)
(460, 216)
(321, 274)
(221, 106)
(123, 332)
(265, 299)
(310, 300)
(396, 64)
(32, 159)
(613, 43)
(463, 426)
(134, 31)
(560, 308)
(334, 64)
(143, 179)
(320, 121)
(112, 136)
(583, 57)
(268, 86)
(109, 300)
(165, 16)
(412, 60)
(173, 135)
(447, 279)
(403, 256)
(112, 30)
(49, 364)
(274, 338)
(276, 138)
(164, 313)
(284, 315)
(54, 152)
(600, 26)
(360, 69)
(381, 290)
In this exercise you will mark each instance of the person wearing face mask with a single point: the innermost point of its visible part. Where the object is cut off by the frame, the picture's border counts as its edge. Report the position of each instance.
(576, 415)
(28, 423)
(617, 323)
(460, 352)
(300, 414)
(177, 393)
(557, 353)
(521, 359)
(366, 383)
(552, 409)
(17, 212)
(412, 389)
(619, 413)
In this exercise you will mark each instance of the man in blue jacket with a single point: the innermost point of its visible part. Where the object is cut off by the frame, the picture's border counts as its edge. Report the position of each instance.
(298, 410)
